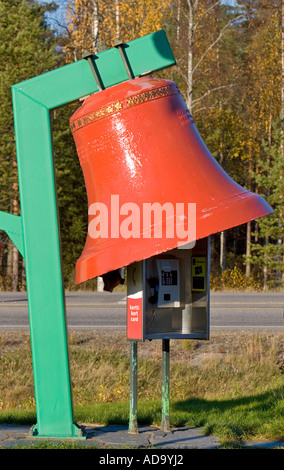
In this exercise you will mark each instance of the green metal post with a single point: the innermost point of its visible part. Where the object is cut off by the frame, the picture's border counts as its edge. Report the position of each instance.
(133, 426)
(165, 424)
(43, 271)
(36, 232)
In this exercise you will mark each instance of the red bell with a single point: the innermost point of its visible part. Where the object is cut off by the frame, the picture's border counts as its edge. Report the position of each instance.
(138, 146)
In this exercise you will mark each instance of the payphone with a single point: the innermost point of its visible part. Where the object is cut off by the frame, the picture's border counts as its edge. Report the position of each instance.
(168, 295)
(167, 298)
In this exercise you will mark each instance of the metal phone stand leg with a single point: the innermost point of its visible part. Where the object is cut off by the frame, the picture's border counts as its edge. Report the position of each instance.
(133, 426)
(165, 424)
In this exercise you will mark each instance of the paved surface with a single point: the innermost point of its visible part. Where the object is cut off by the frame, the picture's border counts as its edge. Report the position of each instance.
(119, 437)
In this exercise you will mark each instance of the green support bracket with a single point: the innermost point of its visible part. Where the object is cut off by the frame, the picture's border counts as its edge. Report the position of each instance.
(36, 232)
(12, 225)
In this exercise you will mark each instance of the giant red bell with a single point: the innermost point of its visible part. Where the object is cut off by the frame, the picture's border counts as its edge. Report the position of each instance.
(138, 148)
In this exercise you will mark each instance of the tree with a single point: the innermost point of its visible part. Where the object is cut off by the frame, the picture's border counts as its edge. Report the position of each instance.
(91, 23)
(27, 49)
(228, 72)
(269, 251)
(261, 98)
(204, 44)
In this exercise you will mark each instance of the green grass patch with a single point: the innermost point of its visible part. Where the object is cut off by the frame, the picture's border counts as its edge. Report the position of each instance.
(232, 385)
(22, 417)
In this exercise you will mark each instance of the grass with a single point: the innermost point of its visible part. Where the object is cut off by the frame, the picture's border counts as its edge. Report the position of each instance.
(232, 385)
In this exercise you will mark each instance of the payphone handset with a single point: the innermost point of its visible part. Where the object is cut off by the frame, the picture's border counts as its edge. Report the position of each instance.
(169, 283)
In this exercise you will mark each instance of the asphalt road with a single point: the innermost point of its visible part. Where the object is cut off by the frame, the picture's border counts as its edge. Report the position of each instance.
(104, 310)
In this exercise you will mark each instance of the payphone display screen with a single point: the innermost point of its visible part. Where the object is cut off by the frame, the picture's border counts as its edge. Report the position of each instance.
(169, 278)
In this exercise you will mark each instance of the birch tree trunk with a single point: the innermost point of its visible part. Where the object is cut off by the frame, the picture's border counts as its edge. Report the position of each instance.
(265, 267)
(95, 25)
(15, 267)
(15, 211)
(117, 25)
(192, 5)
(248, 235)
(193, 24)
(178, 20)
(100, 284)
(248, 250)
(222, 251)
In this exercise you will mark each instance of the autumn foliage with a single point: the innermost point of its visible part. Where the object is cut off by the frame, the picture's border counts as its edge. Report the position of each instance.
(230, 71)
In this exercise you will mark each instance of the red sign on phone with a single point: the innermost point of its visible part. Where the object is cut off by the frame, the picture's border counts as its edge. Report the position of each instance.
(134, 318)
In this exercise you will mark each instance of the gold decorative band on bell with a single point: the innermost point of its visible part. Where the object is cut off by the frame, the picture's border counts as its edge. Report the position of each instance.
(123, 104)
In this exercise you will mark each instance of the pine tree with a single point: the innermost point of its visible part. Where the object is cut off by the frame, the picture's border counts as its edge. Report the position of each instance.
(269, 251)
(27, 49)
(261, 108)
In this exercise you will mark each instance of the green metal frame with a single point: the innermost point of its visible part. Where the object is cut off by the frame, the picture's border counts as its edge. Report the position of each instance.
(36, 232)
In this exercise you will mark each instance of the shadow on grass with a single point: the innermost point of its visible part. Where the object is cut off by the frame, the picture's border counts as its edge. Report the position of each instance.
(260, 402)
(237, 419)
